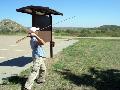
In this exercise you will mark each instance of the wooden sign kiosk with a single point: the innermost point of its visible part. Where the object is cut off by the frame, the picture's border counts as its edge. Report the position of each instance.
(42, 18)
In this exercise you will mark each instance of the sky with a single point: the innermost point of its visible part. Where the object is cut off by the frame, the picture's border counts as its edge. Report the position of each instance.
(87, 13)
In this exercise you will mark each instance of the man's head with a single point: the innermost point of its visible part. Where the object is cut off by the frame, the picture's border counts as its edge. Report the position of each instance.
(33, 29)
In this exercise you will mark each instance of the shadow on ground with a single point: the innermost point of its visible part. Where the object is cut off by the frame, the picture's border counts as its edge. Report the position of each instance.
(20, 61)
(13, 80)
(99, 79)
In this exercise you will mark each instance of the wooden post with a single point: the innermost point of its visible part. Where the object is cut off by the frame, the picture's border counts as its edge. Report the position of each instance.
(51, 42)
(33, 21)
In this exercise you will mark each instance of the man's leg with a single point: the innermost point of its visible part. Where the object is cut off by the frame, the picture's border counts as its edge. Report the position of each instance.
(42, 73)
(34, 73)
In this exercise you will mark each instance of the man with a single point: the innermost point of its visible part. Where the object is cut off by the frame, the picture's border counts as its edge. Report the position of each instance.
(39, 69)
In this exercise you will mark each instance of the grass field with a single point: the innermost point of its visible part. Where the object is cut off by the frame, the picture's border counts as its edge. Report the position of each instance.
(89, 64)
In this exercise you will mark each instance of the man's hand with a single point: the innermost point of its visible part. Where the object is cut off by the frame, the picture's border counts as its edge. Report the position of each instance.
(32, 35)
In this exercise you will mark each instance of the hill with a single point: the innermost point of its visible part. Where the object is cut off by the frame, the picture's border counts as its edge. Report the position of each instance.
(8, 26)
(102, 31)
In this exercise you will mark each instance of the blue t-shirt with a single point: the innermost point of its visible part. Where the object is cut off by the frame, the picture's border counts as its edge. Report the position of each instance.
(37, 50)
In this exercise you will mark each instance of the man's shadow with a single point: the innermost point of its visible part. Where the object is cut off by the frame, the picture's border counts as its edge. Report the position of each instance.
(97, 78)
(13, 80)
(20, 61)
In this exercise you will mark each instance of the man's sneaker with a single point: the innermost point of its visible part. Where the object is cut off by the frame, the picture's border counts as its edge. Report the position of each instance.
(39, 81)
(25, 89)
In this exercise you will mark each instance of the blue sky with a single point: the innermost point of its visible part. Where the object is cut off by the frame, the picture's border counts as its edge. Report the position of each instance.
(88, 13)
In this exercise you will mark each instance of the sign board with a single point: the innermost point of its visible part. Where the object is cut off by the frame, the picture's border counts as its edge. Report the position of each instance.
(44, 23)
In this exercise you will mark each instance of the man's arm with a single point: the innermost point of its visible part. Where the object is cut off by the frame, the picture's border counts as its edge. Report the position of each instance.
(40, 41)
